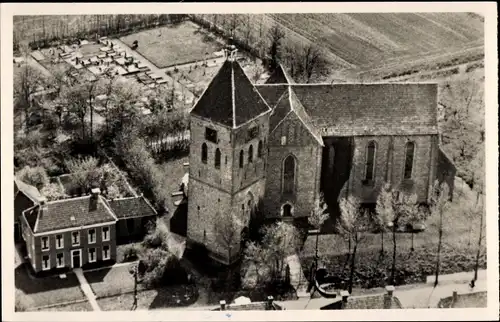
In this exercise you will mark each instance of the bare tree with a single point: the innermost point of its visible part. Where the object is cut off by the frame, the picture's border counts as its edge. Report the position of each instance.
(354, 222)
(316, 219)
(227, 230)
(233, 24)
(276, 35)
(247, 29)
(314, 61)
(440, 203)
(383, 213)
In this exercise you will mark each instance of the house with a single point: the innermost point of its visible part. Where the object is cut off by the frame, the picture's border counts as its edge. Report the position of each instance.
(69, 233)
(280, 145)
(134, 215)
(25, 196)
(82, 231)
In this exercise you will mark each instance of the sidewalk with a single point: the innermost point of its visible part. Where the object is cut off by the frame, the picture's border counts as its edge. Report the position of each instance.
(86, 289)
(297, 278)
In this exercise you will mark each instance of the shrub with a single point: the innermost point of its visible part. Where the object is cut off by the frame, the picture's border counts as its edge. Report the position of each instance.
(131, 253)
(35, 176)
(158, 236)
(53, 191)
(163, 268)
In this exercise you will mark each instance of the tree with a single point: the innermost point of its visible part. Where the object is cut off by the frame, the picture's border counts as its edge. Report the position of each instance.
(383, 213)
(399, 207)
(478, 184)
(227, 230)
(313, 61)
(124, 98)
(353, 223)
(35, 176)
(85, 173)
(53, 191)
(276, 34)
(27, 82)
(247, 29)
(316, 219)
(440, 203)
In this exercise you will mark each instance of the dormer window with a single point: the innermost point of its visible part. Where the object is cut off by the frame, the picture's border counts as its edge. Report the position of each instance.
(211, 135)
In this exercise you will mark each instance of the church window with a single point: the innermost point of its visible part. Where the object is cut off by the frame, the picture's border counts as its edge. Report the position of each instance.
(287, 210)
(241, 158)
(204, 153)
(410, 153)
(252, 133)
(217, 158)
(289, 175)
(211, 135)
(370, 161)
(250, 154)
(259, 150)
(283, 140)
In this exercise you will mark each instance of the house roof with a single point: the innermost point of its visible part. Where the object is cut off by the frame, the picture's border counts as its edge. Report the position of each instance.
(68, 213)
(131, 207)
(289, 103)
(230, 98)
(364, 109)
(279, 76)
(28, 190)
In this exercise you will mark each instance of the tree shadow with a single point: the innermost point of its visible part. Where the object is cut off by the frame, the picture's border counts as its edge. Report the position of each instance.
(178, 222)
(30, 283)
(175, 296)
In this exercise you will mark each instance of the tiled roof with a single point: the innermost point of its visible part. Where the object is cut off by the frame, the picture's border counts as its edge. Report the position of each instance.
(365, 109)
(279, 76)
(28, 190)
(289, 103)
(131, 207)
(230, 98)
(68, 213)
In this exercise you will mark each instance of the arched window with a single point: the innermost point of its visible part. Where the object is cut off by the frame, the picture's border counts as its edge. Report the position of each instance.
(409, 156)
(217, 158)
(204, 153)
(241, 159)
(250, 154)
(259, 150)
(370, 160)
(289, 175)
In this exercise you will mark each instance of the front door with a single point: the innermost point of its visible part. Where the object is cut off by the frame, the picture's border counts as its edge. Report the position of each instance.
(76, 258)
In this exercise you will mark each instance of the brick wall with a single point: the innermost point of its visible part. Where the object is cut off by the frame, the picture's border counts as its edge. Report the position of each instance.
(84, 246)
(307, 152)
(389, 163)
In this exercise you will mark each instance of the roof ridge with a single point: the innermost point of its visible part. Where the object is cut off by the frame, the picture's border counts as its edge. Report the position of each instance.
(233, 99)
(348, 83)
(35, 228)
(108, 208)
(308, 126)
(67, 199)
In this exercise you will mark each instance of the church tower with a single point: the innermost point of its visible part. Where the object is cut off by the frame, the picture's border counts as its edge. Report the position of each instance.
(227, 163)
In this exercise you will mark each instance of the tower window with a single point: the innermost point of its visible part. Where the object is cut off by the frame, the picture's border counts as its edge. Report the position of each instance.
(217, 158)
(204, 153)
(250, 154)
(370, 161)
(211, 135)
(289, 175)
(283, 140)
(409, 157)
(259, 150)
(242, 158)
(252, 133)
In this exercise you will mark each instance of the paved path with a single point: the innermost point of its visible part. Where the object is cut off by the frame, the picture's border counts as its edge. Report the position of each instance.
(84, 285)
(297, 278)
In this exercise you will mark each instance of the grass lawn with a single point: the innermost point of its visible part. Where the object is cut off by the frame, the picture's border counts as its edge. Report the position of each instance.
(173, 296)
(172, 45)
(80, 306)
(36, 292)
(457, 255)
(111, 281)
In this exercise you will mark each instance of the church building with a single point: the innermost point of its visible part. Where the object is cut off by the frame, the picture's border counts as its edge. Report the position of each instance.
(278, 145)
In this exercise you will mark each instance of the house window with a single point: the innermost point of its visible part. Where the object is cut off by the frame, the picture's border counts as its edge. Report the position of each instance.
(211, 135)
(204, 153)
(250, 154)
(217, 158)
(75, 238)
(106, 253)
(105, 233)
(409, 157)
(59, 241)
(241, 158)
(259, 150)
(92, 257)
(91, 236)
(45, 243)
(46, 262)
(283, 140)
(289, 175)
(370, 161)
(60, 260)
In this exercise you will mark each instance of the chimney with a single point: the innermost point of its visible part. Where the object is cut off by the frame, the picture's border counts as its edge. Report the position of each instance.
(43, 203)
(222, 305)
(388, 296)
(94, 197)
(269, 303)
(454, 299)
